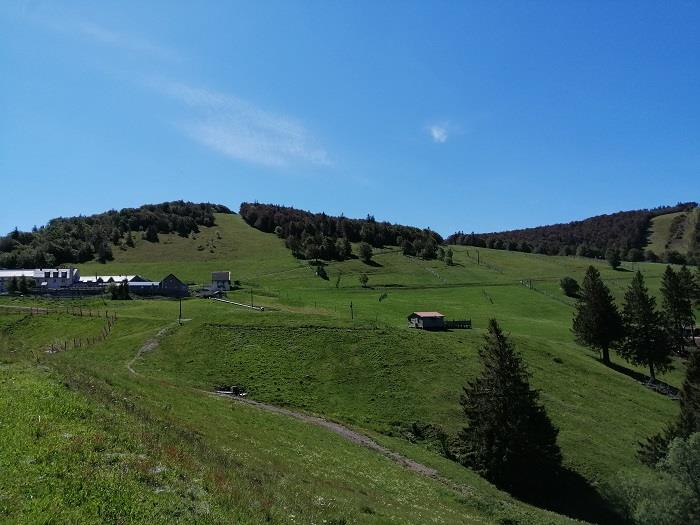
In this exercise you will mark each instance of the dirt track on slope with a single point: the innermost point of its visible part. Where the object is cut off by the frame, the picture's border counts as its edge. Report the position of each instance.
(343, 431)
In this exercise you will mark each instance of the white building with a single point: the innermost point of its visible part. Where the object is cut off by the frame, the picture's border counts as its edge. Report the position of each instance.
(7, 275)
(107, 279)
(221, 281)
(54, 278)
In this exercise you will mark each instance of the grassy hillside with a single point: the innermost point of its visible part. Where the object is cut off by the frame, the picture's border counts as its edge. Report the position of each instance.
(229, 245)
(662, 238)
(158, 451)
(368, 371)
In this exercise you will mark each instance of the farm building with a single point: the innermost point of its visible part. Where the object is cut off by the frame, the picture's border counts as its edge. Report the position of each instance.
(55, 278)
(144, 287)
(427, 320)
(173, 286)
(107, 279)
(221, 281)
(7, 275)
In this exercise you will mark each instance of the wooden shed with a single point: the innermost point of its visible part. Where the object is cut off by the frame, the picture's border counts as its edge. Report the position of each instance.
(427, 320)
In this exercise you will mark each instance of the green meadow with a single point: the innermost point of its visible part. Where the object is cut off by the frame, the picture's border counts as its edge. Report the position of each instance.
(169, 451)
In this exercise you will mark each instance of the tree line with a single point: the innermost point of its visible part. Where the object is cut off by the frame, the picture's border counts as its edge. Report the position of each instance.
(625, 232)
(84, 238)
(320, 236)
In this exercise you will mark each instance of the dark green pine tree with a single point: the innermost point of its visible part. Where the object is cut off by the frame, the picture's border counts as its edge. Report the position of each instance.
(510, 440)
(677, 307)
(688, 421)
(612, 255)
(597, 322)
(645, 341)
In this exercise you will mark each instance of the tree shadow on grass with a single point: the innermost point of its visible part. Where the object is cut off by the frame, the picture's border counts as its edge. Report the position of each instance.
(659, 386)
(570, 494)
(373, 263)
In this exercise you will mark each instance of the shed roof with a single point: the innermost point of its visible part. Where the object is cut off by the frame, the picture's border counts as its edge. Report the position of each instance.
(426, 314)
(220, 276)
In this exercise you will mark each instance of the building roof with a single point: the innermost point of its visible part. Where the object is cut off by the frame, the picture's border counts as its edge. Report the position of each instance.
(16, 273)
(112, 278)
(220, 276)
(137, 284)
(426, 314)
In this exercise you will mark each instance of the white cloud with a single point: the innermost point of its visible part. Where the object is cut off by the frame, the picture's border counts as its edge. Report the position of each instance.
(439, 132)
(238, 129)
(123, 41)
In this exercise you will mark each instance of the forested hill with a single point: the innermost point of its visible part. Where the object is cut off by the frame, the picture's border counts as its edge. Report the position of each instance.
(625, 231)
(317, 235)
(84, 238)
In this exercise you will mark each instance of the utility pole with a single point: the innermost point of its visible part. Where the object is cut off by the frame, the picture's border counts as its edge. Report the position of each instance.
(179, 320)
(477, 258)
(352, 315)
(251, 297)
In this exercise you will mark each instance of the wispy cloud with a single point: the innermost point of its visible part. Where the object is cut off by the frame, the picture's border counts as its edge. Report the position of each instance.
(439, 132)
(124, 41)
(236, 128)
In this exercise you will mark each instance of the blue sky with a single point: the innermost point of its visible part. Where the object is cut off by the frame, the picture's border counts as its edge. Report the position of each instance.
(451, 115)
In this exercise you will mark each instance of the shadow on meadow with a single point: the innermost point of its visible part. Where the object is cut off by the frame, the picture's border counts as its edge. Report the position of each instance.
(569, 493)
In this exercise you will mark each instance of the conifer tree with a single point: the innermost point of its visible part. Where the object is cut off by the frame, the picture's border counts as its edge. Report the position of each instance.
(597, 322)
(613, 258)
(687, 422)
(129, 239)
(365, 252)
(509, 439)
(645, 341)
(677, 306)
(23, 285)
(12, 285)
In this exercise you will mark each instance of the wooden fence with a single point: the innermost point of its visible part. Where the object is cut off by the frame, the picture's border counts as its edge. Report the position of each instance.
(110, 318)
(458, 324)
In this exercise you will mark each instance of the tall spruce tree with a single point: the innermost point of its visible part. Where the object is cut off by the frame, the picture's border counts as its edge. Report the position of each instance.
(677, 306)
(597, 322)
(645, 341)
(509, 439)
(687, 422)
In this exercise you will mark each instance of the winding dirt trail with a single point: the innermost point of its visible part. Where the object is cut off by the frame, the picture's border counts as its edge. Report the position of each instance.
(343, 431)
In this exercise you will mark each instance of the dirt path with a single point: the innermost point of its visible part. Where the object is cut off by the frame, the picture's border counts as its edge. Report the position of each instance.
(150, 344)
(343, 431)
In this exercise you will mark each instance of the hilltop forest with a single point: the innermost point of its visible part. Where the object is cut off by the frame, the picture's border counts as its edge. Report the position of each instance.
(84, 238)
(625, 231)
(317, 235)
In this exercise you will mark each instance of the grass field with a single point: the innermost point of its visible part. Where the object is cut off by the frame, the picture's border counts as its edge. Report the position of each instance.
(362, 366)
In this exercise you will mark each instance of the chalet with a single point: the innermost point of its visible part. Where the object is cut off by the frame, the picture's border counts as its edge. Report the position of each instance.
(171, 285)
(221, 281)
(427, 320)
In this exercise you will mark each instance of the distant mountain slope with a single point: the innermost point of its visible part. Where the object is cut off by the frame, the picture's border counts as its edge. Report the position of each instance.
(675, 232)
(84, 238)
(626, 231)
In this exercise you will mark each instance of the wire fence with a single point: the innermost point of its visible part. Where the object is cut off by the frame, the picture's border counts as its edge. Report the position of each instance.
(62, 345)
